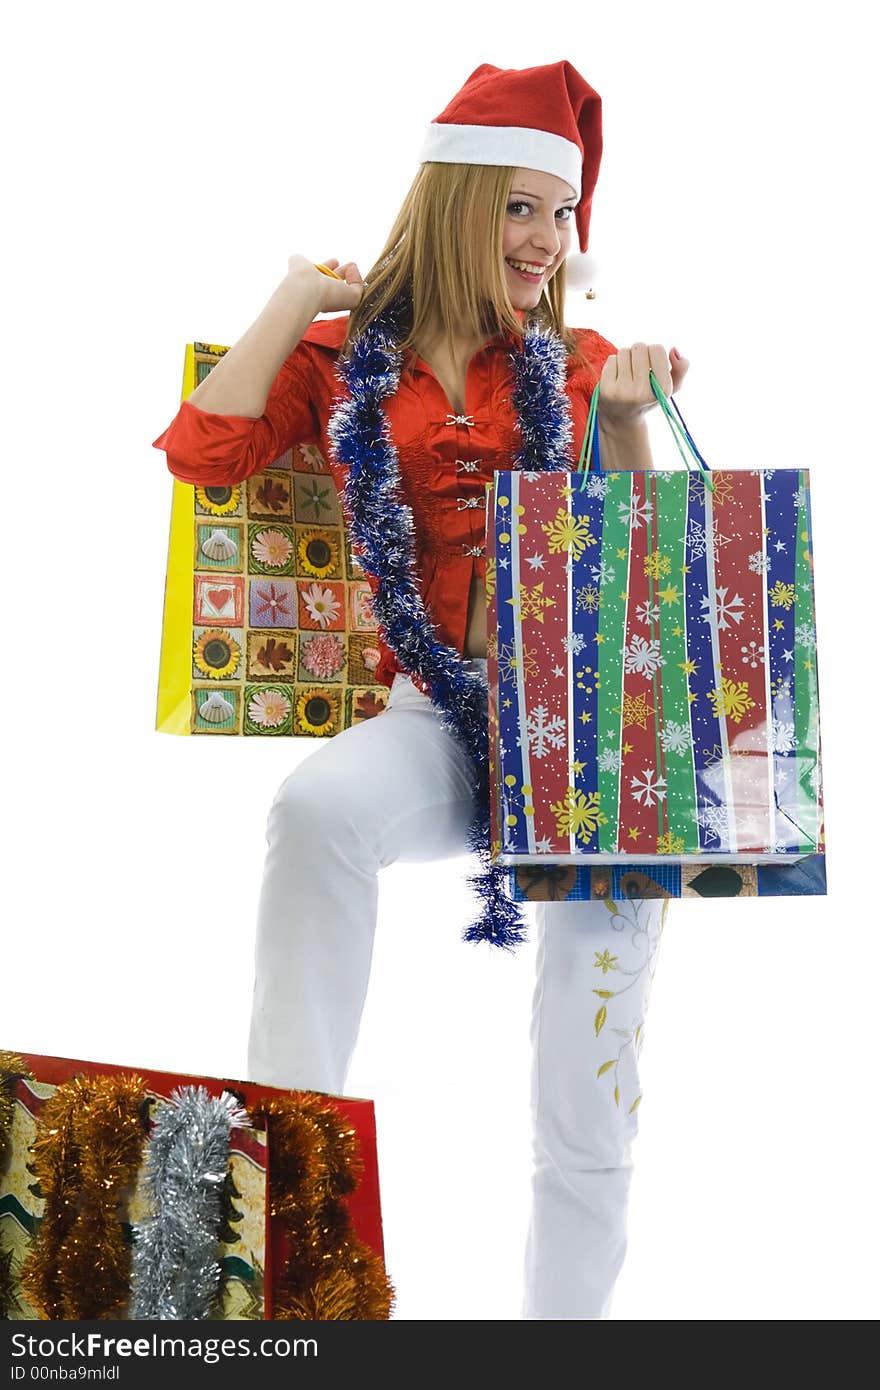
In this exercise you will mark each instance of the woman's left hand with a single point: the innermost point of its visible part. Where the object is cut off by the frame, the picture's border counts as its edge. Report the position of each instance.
(625, 391)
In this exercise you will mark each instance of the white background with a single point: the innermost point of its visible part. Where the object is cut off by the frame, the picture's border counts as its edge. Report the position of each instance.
(163, 163)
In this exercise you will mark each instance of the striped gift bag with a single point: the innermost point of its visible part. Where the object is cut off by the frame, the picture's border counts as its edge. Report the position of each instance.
(654, 712)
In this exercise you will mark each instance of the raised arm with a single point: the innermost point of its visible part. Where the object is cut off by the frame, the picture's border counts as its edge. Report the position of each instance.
(255, 402)
(241, 380)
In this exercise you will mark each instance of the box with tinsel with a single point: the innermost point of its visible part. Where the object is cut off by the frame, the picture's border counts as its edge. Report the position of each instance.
(150, 1195)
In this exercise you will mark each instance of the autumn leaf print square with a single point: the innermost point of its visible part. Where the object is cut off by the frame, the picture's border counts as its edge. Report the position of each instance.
(271, 656)
(269, 495)
(364, 704)
(218, 599)
(321, 605)
(218, 546)
(272, 603)
(315, 500)
(353, 567)
(360, 607)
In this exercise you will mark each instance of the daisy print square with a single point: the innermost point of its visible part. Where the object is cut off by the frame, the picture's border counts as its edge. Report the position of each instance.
(321, 605)
(272, 603)
(318, 553)
(271, 656)
(360, 607)
(307, 458)
(315, 500)
(269, 495)
(218, 547)
(284, 461)
(271, 549)
(268, 709)
(322, 656)
(218, 599)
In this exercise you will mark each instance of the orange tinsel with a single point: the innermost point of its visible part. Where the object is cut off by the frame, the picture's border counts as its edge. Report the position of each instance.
(87, 1151)
(313, 1163)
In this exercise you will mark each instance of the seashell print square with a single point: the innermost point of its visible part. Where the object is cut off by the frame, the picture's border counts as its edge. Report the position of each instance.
(215, 711)
(218, 547)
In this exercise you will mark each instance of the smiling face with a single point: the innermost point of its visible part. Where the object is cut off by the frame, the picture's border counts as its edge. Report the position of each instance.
(537, 233)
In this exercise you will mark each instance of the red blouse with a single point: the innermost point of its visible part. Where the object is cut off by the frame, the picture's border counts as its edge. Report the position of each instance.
(445, 459)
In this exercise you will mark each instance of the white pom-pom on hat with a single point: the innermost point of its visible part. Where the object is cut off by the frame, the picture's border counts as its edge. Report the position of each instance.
(580, 271)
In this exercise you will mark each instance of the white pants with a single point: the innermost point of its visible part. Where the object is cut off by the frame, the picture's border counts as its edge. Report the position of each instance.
(398, 788)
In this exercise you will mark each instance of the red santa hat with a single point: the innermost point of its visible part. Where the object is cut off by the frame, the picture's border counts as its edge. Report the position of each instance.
(545, 118)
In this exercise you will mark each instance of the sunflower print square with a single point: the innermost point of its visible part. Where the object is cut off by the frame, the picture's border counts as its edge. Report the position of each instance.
(271, 549)
(315, 500)
(215, 711)
(218, 547)
(268, 709)
(271, 656)
(363, 658)
(218, 599)
(364, 704)
(269, 495)
(321, 605)
(360, 607)
(217, 654)
(318, 553)
(219, 501)
(272, 603)
(317, 710)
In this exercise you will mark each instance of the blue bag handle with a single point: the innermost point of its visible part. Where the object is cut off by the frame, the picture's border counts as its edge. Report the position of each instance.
(679, 431)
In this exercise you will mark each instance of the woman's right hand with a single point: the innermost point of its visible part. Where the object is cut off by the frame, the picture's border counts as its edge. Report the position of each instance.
(332, 294)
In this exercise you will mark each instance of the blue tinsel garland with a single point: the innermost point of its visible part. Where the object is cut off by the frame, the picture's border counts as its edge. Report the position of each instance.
(381, 526)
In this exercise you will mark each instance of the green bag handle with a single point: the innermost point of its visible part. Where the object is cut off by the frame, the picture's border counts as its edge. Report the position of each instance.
(679, 432)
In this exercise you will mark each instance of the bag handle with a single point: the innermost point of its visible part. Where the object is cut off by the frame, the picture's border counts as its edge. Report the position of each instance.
(679, 431)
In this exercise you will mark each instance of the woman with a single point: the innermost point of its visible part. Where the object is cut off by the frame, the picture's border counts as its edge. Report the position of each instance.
(454, 360)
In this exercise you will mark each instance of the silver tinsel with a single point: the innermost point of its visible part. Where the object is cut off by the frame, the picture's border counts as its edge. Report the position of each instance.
(175, 1261)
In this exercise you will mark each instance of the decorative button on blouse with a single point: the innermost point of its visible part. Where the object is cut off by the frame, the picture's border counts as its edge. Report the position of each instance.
(211, 450)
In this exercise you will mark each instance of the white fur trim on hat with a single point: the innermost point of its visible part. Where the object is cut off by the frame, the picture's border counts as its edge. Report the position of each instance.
(520, 147)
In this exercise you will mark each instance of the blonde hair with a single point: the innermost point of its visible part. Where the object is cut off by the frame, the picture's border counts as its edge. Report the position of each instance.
(450, 207)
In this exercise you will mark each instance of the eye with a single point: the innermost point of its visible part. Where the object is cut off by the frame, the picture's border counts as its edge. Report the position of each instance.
(518, 203)
(569, 211)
